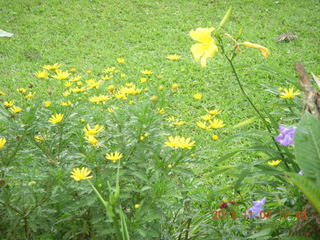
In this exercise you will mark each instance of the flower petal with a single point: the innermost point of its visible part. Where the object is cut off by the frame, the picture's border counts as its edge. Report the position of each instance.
(202, 35)
(210, 52)
(198, 50)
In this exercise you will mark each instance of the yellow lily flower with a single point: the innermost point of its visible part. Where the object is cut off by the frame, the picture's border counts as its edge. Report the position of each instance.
(207, 47)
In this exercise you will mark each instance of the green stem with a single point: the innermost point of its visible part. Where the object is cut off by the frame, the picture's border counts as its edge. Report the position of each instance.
(60, 141)
(98, 194)
(109, 212)
(252, 104)
(246, 95)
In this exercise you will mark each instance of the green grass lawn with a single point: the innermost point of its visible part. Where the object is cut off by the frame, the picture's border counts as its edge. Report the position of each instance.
(91, 35)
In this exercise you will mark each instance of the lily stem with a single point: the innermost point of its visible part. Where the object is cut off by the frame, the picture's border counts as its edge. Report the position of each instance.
(253, 106)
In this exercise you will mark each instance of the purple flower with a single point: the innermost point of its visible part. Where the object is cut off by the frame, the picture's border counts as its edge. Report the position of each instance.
(301, 173)
(286, 136)
(257, 207)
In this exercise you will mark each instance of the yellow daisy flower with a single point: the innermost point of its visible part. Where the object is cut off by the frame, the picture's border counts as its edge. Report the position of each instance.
(60, 75)
(65, 104)
(206, 117)
(109, 70)
(53, 67)
(93, 83)
(111, 88)
(171, 119)
(174, 87)
(67, 93)
(197, 96)
(15, 109)
(161, 110)
(8, 103)
(92, 131)
(56, 118)
(46, 104)
(2, 142)
(92, 140)
(143, 80)
(42, 74)
(146, 72)
(216, 123)
(121, 60)
(203, 126)
(213, 112)
(77, 89)
(68, 84)
(30, 95)
(21, 90)
(274, 162)
(289, 93)
(106, 78)
(38, 138)
(75, 79)
(115, 156)
(81, 174)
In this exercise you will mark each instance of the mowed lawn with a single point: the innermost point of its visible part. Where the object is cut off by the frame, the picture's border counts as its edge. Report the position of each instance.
(90, 35)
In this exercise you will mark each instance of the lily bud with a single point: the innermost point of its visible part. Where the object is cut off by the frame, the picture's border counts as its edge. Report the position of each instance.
(226, 17)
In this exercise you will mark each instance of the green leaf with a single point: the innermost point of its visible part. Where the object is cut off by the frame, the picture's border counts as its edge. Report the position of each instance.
(297, 238)
(183, 171)
(263, 233)
(307, 146)
(227, 156)
(242, 176)
(310, 190)
(245, 122)
(124, 228)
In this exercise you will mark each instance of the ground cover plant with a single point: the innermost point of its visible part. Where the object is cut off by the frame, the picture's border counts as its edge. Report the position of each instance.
(158, 120)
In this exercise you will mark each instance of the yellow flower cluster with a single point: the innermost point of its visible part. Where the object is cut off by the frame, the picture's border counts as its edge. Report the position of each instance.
(179, 142)
(99, 99)
(209, 123)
